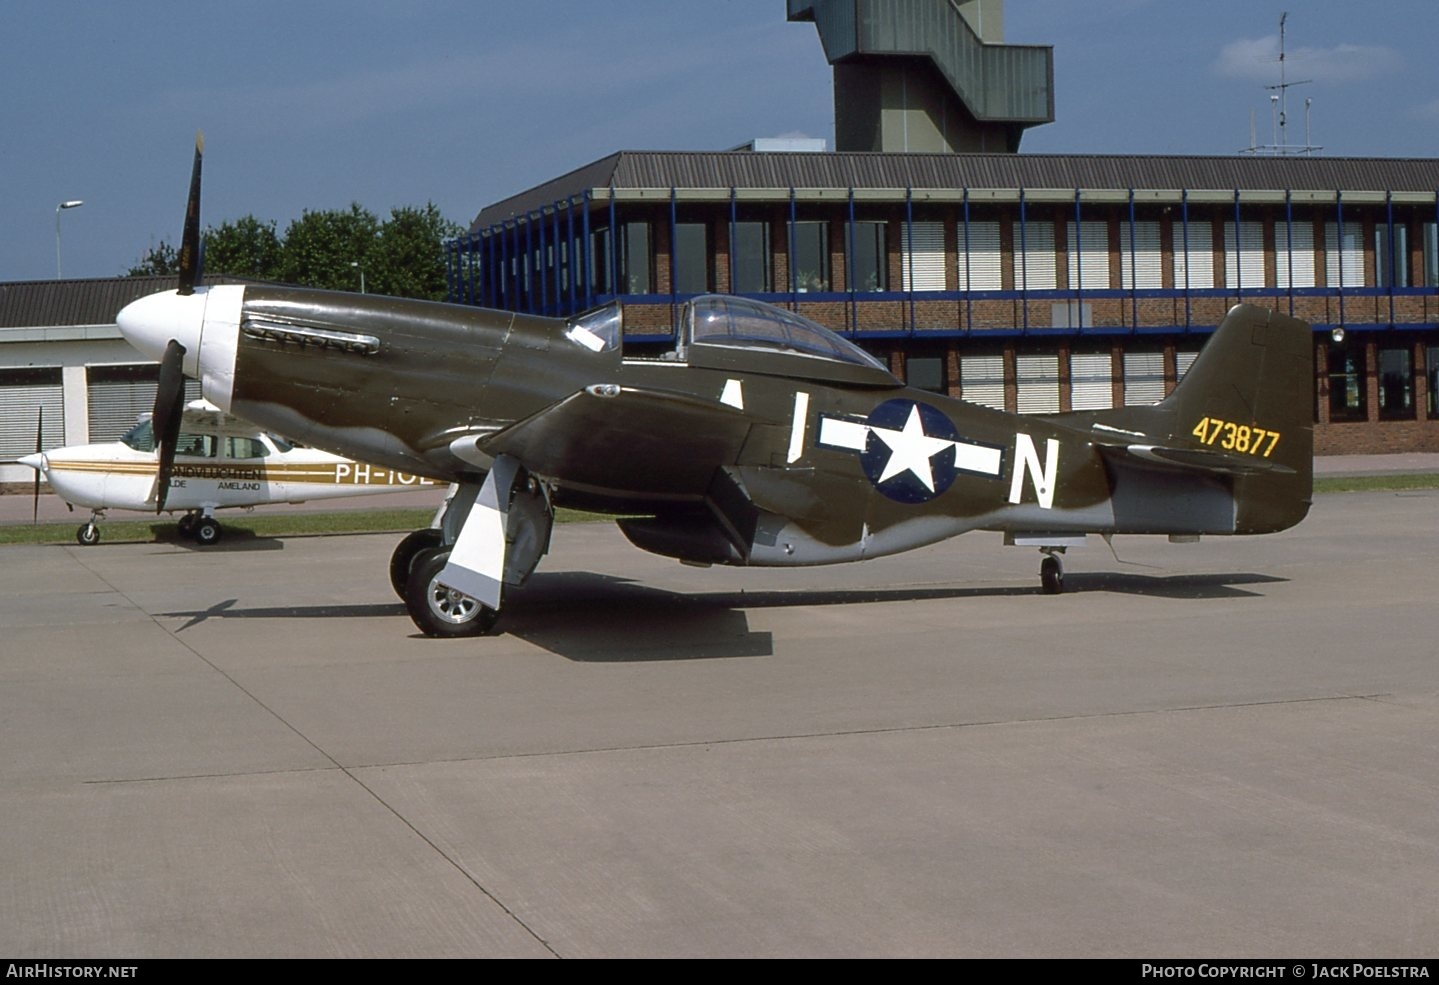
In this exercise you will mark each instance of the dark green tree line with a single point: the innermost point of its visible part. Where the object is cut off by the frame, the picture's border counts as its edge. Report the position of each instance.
(338, 249)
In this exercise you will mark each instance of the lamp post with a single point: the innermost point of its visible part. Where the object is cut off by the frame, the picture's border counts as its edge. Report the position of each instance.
(358, 264)
(73, 203)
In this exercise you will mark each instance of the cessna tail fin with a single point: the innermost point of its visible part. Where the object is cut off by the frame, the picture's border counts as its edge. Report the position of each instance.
(1242, 415)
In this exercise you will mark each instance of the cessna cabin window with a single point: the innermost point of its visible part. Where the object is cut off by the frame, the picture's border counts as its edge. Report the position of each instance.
(238, 447)
(193, 445)
(141, 437)
(741, 323)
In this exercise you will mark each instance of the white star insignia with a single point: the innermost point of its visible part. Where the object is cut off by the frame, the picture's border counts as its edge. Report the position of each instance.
(910, 449)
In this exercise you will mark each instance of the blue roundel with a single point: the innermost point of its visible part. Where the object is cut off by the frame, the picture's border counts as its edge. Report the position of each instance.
(909, 453)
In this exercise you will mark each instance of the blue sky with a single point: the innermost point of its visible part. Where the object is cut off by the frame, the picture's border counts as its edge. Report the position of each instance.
(318, 103)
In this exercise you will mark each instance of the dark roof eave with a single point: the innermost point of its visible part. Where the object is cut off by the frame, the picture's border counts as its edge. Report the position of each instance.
(741, 169)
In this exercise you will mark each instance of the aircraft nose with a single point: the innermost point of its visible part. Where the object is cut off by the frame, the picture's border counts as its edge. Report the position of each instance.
(149, 324)
(35, 461)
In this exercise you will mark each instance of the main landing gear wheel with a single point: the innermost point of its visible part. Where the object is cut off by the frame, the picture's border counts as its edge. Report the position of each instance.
(404, 557)
(186, 524)
(207, 531)
(438, 610)
(1051, 575)
(88, 535)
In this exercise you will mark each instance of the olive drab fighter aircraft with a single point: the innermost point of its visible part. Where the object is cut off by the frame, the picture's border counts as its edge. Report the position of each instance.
(758, 438)
(219, 462)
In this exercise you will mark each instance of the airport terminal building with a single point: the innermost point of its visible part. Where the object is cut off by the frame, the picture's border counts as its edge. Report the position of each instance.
(1033, 283)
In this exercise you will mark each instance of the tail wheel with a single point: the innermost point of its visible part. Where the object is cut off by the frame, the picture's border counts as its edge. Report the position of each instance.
(1051, 575)
(404, 557)
(439, 610)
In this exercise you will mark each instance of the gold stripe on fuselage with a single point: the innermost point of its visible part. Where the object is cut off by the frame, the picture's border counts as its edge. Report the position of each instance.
(340, 473)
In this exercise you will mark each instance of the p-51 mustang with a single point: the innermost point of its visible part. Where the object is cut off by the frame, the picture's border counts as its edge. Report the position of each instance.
(759, 438)
(219, 462)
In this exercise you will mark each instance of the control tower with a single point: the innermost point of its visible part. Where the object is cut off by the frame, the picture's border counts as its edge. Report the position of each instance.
(929, 75)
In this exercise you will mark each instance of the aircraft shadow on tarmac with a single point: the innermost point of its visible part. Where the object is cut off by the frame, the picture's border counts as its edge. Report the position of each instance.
(591, 617)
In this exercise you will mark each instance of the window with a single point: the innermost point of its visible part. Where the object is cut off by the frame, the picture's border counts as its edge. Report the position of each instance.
(1194, 255)
(601, 268)
(1431, 365)
(980, 266)
(925, 373)
(238, 447)
(869, 257)
(1034, 257)
(1391, 266)
(981, 378)
(118, 395)
(810, 256)
(1142, 263)
(1088, 256)
(1346, 383)
(1144, 377)
(192, 445)
(1396, 384)
(691, 264)
(1343, 255)
(923, 256)
(1244, 260)
(635, 258)
(1431, 254)
(1294, 254)
(23, 394)
(1038, 380)
(1090, 384)
(751, 258)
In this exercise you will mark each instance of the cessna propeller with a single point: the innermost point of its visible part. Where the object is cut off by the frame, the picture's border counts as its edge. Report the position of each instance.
(36, 462)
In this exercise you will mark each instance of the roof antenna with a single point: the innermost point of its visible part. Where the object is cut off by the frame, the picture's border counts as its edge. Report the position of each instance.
(1279, 108)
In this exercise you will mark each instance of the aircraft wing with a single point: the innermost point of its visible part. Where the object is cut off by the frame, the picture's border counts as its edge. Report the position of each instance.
(610, 437)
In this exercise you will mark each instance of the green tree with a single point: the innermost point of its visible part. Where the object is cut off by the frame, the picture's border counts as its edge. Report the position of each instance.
(337, 249)
(160, 259)
(247, 247)
(409, 259)
(329, 249)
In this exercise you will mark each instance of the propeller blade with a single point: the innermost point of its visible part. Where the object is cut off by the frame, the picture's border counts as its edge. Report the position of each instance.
(39, 432)
(190, 238)
(165, 422)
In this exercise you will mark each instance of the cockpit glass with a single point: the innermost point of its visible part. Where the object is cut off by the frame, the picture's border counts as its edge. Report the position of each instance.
(743, 323)
(141, 437)
(598, 330)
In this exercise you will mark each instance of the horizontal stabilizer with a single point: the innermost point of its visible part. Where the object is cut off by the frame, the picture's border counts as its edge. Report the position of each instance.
(1199, 460)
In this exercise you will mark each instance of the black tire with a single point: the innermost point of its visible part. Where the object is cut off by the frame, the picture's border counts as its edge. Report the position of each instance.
(186, 525)
(1051, 575)
(404, 557)
(88, 535)
(438, 611)
(207, 531)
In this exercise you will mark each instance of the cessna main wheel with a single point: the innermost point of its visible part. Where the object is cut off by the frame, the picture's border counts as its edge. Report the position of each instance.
(439, 610)
(404, 557)
(207, 531)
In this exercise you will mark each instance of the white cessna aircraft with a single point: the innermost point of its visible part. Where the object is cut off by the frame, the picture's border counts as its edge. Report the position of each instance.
(220, 462)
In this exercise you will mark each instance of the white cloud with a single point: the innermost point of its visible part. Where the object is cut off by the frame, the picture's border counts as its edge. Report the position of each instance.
(1257, 60)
